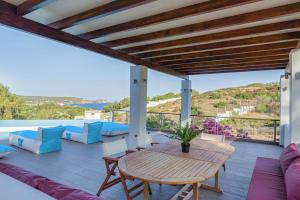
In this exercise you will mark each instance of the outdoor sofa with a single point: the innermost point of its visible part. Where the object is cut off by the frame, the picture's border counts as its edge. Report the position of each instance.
(45, 185)
(93, 132)
(45, 140)
(277, 179)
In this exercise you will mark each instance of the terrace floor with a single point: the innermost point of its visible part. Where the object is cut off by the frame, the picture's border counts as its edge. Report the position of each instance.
(81, 166)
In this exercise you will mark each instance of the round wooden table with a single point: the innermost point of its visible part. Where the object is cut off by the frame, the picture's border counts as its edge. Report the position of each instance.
(166, 164)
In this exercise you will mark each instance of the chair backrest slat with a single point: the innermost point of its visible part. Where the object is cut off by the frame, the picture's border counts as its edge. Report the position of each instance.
(144, 140)
(114, 147)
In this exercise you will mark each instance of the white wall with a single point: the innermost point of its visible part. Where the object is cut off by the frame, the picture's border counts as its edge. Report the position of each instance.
(284, 110)
(295, 96)
(138, 102)
(186, 102)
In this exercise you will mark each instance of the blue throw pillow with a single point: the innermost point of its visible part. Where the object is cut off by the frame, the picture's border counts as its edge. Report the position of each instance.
(4, 150)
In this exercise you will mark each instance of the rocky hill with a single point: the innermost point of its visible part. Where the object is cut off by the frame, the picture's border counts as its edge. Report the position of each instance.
(262, 98)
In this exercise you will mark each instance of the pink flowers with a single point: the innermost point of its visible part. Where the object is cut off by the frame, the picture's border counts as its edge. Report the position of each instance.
(213, 127)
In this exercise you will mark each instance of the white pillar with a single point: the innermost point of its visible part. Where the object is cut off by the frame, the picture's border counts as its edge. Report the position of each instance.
(138, 102)
(294, 65)
(284, 110)
(186, 104)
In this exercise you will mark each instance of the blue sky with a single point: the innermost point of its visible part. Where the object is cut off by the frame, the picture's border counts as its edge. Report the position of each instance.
(31, 65)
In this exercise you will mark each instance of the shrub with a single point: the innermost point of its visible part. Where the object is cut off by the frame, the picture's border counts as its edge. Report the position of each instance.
(220, 104)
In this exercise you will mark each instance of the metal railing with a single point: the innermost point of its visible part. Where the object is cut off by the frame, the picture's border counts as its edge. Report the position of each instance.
(245, 129)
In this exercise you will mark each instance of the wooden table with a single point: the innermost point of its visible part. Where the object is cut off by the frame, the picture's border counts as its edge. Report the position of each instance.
(166, 164)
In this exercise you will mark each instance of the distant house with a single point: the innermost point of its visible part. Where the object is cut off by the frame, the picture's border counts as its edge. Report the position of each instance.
(92, 114)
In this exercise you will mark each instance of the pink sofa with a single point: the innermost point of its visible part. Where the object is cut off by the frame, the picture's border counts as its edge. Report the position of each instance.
(53, 189)
(271, 180)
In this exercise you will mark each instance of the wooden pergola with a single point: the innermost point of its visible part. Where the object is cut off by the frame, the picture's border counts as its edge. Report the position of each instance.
(178, 37)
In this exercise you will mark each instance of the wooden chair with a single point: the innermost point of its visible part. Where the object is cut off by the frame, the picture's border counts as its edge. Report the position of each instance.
(113, 177)
(213, 137)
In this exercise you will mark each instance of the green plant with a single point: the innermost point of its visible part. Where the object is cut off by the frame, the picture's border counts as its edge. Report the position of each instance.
(185, 134)
(220, 104)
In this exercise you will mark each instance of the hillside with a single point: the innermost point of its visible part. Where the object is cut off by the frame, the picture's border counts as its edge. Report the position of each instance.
(263, 98)
(36, 100)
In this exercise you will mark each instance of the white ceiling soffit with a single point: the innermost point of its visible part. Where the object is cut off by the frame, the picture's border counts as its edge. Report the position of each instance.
(196, 19)
(61, 9)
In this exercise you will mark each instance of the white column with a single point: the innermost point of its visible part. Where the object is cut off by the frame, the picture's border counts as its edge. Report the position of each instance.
(138, 102)
(186, 104)
(294, 65)
(284, 110)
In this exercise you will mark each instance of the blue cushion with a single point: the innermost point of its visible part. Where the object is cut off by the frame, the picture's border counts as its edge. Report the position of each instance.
(94, 132)
(4, 148)
(26, 134)
(74, 129)
(113, 126)
(51, 139)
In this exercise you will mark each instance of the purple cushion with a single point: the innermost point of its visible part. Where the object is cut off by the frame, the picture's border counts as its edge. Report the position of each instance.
(267, 181)
(53, 189)
(292, 180)
(288, 155)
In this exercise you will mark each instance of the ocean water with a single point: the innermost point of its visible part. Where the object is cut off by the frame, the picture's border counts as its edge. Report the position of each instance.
(95, 106)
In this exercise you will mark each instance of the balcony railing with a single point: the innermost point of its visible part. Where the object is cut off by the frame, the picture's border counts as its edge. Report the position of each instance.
(243, 129)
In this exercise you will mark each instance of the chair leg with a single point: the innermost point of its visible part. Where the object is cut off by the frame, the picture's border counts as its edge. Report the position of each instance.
(149, 189)
(106, 183)
(123, 180)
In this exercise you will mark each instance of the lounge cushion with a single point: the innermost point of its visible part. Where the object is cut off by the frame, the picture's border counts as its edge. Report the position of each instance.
(288, 155)
(53, 189)
(267, 181)
(5, 150)
(292, 180)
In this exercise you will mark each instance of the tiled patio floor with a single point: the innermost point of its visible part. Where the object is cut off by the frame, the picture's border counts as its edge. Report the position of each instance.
(81, 166)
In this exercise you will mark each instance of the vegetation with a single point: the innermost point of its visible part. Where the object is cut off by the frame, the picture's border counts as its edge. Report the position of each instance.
(185, 134)
(220, 104)
(14, 107)
(124, 103)
(169, 95)
(160, 122)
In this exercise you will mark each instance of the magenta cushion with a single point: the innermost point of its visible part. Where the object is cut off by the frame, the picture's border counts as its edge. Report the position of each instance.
(288, 155)
(53, 189)
(292, 180)
(267, 181)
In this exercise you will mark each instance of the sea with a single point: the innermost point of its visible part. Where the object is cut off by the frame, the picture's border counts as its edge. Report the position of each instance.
(95, 106)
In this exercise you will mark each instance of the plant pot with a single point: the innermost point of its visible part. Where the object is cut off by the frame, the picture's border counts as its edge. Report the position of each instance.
(185, 148)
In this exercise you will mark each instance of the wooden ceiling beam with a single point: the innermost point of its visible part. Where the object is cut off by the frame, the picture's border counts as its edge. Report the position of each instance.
(238, 50)
(244, 32)
(100, 11)
(248, 55)
(210, 25)
(221, 45)
(9, 17)
(233, 70)
(240, 65)
(229, 62)
(196, 9)
(29, 6)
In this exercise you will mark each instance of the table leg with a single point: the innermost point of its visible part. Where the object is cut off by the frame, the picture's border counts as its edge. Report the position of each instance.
(216, 187)
(146, 190)
(195, 191)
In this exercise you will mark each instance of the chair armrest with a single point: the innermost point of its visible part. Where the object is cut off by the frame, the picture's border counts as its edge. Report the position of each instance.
(130, 151)
(111, 159)
(140, 148)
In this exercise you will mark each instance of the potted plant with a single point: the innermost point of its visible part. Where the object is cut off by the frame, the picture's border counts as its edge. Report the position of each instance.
(185, 135)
